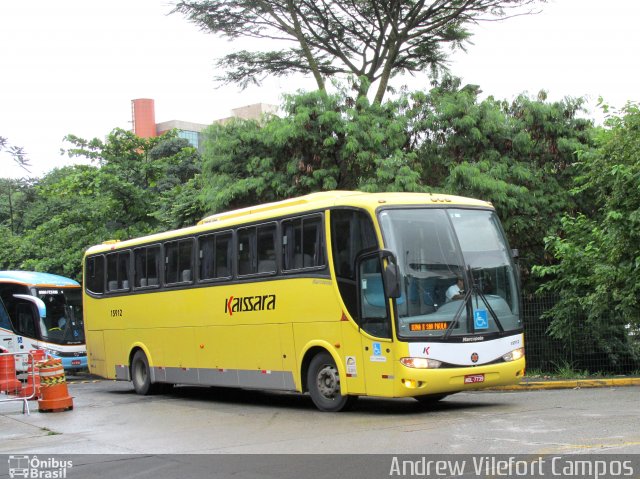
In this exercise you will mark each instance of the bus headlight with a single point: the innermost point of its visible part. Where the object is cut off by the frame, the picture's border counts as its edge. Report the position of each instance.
(51, 353)
(514, 355)
(421, 363)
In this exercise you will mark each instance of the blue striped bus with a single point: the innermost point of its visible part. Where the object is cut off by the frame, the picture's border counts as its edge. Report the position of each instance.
(42, 311)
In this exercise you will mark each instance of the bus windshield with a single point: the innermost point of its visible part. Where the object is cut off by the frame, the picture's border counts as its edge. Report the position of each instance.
(63, 323)
(457, 273)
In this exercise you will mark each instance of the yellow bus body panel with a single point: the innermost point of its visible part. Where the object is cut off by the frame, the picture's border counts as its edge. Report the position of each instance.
(195, 330)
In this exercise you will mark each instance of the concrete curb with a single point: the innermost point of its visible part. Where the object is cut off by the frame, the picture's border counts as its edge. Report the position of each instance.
(571, 384)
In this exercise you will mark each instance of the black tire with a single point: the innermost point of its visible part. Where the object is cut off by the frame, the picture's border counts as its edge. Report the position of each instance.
(323, 382)
(141, 375)
(430, 399)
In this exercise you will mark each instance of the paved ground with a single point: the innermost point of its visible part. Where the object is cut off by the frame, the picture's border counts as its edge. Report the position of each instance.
(108, 417)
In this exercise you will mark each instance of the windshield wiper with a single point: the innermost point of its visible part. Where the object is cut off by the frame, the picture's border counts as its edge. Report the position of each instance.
(456, 317)
(464, 303)
(489, 308)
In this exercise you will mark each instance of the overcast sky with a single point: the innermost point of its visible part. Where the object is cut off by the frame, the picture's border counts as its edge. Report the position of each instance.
(73, 66)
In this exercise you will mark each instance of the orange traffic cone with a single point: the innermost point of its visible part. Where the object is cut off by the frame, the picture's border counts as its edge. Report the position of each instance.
(55, 397)
(9, 383)
(32, 388)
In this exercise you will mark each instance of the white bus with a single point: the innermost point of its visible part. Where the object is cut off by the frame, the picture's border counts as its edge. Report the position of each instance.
(42, 311)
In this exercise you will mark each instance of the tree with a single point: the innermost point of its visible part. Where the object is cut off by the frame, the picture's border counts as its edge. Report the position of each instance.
(519, 155)
(16, 153)
(142, 174)
(15, 196)
(372, 40)
(596, 272)
(323, 142)
(137, 188)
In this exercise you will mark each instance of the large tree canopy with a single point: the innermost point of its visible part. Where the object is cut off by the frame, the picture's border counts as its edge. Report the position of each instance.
(372, 40)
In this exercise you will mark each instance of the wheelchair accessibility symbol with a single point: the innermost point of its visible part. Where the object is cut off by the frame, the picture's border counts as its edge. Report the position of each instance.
(480, 320)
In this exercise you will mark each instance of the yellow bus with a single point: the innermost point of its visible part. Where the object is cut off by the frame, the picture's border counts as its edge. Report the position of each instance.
(339, 294)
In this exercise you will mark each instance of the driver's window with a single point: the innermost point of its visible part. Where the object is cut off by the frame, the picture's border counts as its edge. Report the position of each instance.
(25, 319)
(374, 306)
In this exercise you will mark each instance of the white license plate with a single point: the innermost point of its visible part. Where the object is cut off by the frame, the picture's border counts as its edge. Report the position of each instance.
(474, 378)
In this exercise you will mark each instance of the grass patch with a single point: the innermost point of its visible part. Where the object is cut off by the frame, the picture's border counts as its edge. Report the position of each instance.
(565, 370)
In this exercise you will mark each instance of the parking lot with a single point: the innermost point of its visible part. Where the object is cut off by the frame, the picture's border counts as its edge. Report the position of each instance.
(108, 417)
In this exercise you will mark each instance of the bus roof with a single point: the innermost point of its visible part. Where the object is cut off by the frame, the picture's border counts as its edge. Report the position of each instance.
(33, 278)
(310, 202)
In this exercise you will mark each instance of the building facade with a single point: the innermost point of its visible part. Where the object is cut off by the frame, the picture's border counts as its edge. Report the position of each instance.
(145, 126)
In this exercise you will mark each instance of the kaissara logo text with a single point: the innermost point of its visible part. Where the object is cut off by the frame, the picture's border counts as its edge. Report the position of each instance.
(266, 302)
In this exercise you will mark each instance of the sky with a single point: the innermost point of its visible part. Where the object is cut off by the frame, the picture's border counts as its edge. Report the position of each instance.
(73, 66)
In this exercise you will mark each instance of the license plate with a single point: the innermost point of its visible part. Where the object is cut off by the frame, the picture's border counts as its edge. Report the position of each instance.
(75, 362)
(474, 378)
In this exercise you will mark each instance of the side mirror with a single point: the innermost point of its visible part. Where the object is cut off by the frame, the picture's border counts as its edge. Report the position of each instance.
(42, 309)
(391, 276)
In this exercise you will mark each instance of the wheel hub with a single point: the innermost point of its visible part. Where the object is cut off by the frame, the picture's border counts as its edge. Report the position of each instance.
(328, 382)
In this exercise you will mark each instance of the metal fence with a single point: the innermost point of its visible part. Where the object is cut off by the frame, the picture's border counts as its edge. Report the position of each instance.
(580, 352)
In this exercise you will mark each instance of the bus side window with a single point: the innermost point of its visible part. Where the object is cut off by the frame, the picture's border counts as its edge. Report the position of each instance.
(118, 271)
(223, 255)
(302, 245)
(247, 258)
(257, 249)
(5, 323)
(178, 261)
(25, 319)
(267, 249)
(94, 274)
(214, 252)
(147, 266)
(352, 232)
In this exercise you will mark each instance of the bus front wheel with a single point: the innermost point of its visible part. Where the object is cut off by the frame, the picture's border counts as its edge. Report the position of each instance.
(323, 381)
(140, 374)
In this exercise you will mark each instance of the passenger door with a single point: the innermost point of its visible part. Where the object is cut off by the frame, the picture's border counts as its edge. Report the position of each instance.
(375, 327)
(8, 340)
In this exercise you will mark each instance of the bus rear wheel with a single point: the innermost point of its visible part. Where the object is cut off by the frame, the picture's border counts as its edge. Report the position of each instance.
(323, 381)
(140, 374)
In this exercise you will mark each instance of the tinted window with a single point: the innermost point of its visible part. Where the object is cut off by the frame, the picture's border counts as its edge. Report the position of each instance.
(302, 243)
(352, 232)
(118, 271)
(178, 261)
(257, 249)
(147, 266)
(215, 256)
(94, 274)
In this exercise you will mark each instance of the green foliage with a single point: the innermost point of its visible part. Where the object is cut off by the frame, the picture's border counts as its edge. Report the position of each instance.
(139, 186)
(519, 155)
(597, 272)
(324, 142)
(15, 196)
